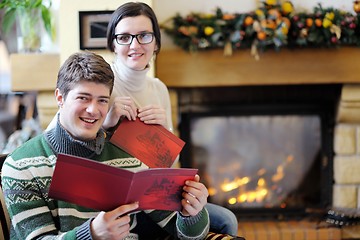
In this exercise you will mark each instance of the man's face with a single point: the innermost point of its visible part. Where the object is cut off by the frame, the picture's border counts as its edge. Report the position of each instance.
(83, 111)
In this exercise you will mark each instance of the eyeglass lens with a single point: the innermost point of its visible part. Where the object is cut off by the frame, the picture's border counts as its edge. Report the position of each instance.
(126, 39)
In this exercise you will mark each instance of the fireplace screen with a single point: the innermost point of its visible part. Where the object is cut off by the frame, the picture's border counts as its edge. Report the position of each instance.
(251, 162)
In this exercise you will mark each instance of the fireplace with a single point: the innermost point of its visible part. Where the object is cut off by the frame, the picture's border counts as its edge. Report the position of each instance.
(262, 151)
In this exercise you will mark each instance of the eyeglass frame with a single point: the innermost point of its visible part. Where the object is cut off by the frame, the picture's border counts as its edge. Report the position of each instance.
(134, 36)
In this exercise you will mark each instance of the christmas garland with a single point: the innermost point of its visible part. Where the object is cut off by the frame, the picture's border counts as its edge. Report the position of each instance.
(273, 25)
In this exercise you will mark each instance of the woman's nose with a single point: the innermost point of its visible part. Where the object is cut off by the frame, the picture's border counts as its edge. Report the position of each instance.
(134, 43)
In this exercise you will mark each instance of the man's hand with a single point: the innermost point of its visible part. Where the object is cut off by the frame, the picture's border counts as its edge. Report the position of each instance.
(113, 225)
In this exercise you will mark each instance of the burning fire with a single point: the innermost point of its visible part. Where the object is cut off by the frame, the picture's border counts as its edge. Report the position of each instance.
(229, 186)
(261, 191)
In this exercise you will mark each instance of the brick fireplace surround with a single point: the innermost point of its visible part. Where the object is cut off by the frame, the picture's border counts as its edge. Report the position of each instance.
(179, 69)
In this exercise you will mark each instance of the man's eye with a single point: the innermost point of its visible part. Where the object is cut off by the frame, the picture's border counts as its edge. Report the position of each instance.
(104, 101)
(82, 98)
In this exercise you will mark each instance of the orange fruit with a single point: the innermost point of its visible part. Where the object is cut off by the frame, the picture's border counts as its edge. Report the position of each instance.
(309, 22)
(318, 22)
(248, 21)
(228, 17)
(271, 24)
(286, 21)
(263, 23)
(274, 13)
(261, 35)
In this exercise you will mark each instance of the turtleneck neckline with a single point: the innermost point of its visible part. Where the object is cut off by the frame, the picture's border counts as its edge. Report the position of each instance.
(62, 142)
(132, 80)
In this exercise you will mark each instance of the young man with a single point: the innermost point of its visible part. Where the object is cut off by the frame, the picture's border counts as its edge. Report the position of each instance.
(85, 82)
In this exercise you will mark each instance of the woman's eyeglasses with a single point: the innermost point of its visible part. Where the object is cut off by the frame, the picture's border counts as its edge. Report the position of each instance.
(142, 38)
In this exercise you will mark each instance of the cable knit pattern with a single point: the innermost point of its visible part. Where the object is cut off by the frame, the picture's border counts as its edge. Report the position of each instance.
(129, 79)
(183, 226)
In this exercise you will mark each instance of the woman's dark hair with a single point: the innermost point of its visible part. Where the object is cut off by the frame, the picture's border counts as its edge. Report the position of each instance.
(132, 9)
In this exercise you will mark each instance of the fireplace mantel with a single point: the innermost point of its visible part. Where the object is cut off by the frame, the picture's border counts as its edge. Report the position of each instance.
(180, 69)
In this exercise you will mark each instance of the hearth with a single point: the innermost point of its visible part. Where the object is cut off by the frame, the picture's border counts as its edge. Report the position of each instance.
(263, 151)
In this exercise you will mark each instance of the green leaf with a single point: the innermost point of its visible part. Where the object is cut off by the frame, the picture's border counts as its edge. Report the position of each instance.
(9, 19)
(12, 6)
(46, 16)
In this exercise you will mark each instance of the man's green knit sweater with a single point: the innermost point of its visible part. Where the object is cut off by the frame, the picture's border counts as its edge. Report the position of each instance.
(26, 177)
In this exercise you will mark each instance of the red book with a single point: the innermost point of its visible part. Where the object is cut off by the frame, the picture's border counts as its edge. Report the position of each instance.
(154, 145)
(102, 187)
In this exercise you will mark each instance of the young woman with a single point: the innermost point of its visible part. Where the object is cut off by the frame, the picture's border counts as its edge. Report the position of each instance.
(134, 37)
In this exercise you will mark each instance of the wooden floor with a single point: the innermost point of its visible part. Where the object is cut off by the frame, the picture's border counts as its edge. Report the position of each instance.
(289, 230)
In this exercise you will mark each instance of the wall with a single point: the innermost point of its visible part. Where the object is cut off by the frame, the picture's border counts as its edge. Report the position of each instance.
(346, 190)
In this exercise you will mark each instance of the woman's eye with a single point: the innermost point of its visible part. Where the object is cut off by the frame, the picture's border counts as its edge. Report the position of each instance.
(124, 38)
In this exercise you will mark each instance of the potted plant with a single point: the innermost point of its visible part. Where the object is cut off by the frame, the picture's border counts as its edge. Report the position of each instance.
(30, 16)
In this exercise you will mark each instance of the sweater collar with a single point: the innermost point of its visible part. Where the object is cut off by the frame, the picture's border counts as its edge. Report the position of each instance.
(62, 142)
(132, 80)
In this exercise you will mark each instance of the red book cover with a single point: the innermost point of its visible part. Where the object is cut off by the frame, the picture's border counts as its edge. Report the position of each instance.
(99, 186)
(154, 145)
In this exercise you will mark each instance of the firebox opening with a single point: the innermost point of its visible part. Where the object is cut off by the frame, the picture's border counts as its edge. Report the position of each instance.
(266, 156)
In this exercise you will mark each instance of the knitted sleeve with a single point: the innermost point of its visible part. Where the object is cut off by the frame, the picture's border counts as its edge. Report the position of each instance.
(194, 228)
(25, 182)
(29, 212)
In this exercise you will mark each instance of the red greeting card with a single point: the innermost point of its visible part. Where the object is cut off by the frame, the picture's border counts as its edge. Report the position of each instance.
(99, 186)
(154, 145)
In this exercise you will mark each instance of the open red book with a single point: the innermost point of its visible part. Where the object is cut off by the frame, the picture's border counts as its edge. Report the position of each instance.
(99, 186)
(154, 145)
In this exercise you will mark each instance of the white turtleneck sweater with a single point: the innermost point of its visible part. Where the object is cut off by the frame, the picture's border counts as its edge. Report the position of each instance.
(143, 89)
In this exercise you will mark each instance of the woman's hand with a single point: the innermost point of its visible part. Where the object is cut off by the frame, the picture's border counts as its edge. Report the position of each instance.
(112, 225)
(153, 114)
(194, 197)
(122, 106)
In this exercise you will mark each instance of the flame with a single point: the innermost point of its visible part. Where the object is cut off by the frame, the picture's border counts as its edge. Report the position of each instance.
(212, 191)
(257, 195)
(229, 186)
(261, 172)
(262, 189)
(261, 182)
(279, 174)
(250, 196)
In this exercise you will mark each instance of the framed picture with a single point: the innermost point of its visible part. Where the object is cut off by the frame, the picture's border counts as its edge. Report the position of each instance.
(93, 27)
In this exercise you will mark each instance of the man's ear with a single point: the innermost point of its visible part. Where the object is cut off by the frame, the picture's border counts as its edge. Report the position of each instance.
(59, 97)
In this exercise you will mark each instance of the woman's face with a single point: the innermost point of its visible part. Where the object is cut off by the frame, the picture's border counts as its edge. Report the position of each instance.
(135, 56)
